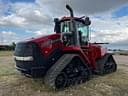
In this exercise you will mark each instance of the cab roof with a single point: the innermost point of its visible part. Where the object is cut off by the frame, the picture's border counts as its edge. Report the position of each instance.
(80, 19)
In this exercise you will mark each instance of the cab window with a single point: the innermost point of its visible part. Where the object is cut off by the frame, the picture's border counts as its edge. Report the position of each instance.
(65, 26)
(83, 30)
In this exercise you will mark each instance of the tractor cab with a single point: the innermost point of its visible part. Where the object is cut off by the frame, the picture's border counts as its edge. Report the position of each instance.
(64, 27)
(73, 30)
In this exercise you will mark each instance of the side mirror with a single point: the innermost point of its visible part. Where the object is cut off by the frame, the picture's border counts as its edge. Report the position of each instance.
(56, 20)
(57, 25)
(87, 21)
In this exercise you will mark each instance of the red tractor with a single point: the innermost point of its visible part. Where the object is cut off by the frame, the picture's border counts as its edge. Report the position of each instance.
(66, 57)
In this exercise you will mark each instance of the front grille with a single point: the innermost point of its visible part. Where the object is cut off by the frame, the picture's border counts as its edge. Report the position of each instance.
(23, 50)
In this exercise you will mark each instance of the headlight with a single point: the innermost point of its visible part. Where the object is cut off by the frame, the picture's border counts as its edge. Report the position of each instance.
(28, 58)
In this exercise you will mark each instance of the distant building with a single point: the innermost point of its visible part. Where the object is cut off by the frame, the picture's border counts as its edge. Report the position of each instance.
(4, 47)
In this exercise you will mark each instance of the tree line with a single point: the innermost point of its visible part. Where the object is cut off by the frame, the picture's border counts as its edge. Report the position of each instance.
(8, 47)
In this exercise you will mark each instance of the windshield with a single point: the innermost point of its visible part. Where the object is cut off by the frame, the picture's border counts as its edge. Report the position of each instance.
(82, 30)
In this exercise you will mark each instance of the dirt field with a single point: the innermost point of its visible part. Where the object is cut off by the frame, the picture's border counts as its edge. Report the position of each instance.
(12, 83)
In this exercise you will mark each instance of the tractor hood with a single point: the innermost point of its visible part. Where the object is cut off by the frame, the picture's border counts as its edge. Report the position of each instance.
(42, 38)
(24, 48)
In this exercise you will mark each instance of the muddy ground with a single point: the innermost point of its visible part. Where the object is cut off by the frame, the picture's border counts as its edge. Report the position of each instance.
(12, 83)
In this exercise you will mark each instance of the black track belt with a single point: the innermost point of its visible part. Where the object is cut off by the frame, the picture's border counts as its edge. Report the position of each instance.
(56, 69)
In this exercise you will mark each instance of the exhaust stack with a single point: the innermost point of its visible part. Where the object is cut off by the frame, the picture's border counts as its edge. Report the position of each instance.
(70, 10)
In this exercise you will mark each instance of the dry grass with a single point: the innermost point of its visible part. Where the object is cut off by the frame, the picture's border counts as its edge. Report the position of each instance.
(12, 83)
(6, 53)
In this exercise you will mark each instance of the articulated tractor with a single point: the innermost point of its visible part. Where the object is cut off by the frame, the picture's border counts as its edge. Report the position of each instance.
(66, 57)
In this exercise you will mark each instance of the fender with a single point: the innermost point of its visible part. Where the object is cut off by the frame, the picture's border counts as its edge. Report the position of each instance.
(78, 50)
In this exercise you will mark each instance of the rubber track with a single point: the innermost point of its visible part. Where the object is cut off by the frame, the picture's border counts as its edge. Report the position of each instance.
(101, 62)
(55, 70)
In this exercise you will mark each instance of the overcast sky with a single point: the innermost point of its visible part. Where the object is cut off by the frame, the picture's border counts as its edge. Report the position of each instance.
(22, 19)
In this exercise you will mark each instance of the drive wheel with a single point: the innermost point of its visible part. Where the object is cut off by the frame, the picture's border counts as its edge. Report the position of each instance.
(61, 81)
(77, 72)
